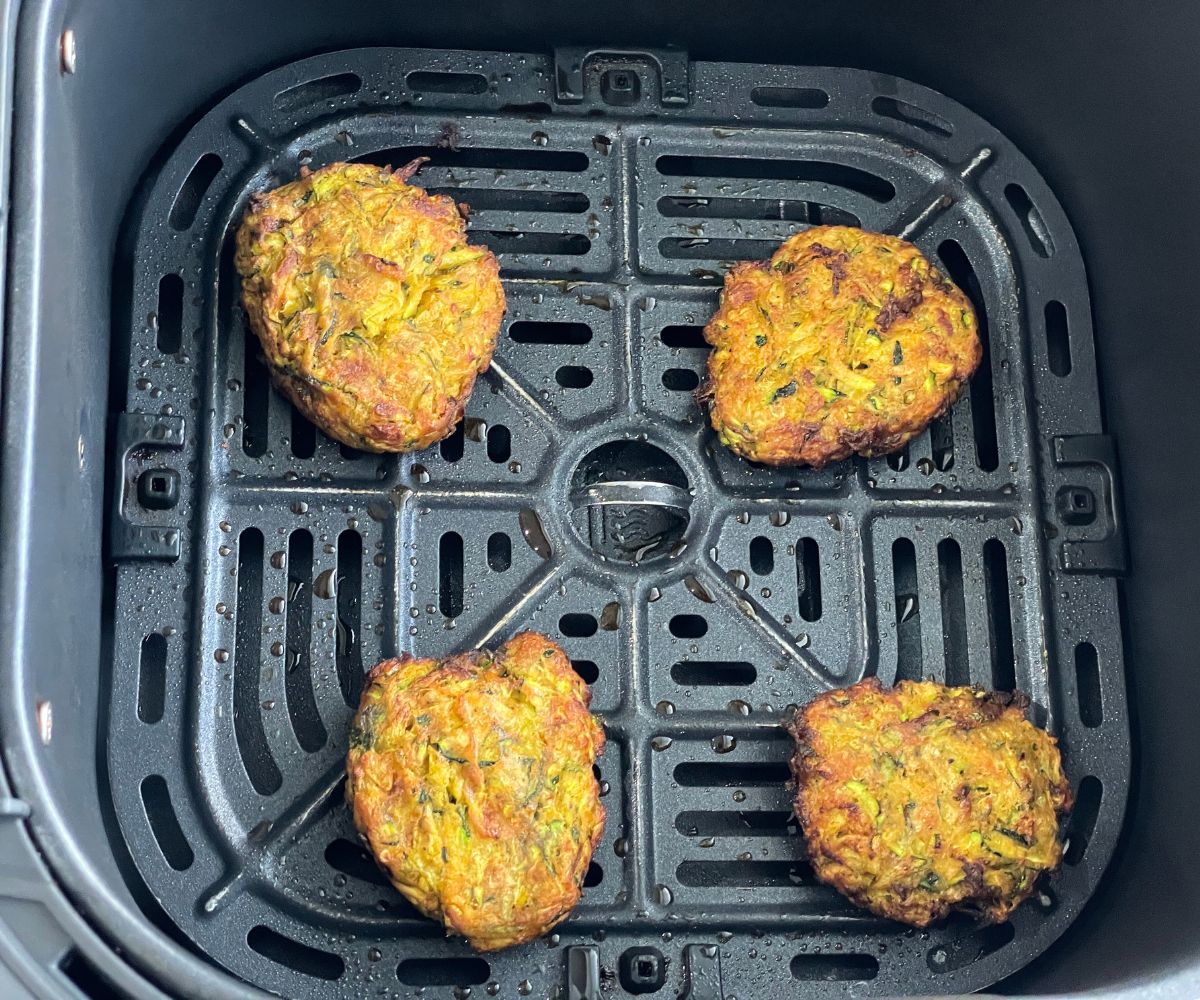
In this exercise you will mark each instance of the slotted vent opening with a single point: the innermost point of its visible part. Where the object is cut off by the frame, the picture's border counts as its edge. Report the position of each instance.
(689, 337)
(302, 958)
(499, 552)
(1082, 823)
(578, 625)
(348, 622)
(838, 968)
(836, 174)
(813, 213)
(192, 191)
(713, 673)
(1000, 630)
(508, 200)
(460, 972)
(169, 316)
(808, 579)
(445, 82)
(249, 734)
(164, 823)
(680, 379)
(908, 610)
(741, 823)
(327, 88)
(762, 556)
(451, 448)
(983, 404)
(499, 443)
(699, 248)
(450, 574)
(588, 670)
(304, 435)
(543, 332)
(152, 678)
(911, 114)
(574, 377)
(954, 612)
(566, 161)
(1087, 685)
(789, 97)
(1031, 220)
(731, 774)
(256, 388)
(1058, 339)
(353, 860)
(298, 688)
(744, 874)
(688, 626)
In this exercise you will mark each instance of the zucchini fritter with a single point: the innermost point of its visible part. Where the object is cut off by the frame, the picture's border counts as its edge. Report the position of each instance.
(374, 313)
(924, 799)
(471, 781)
(845, 342)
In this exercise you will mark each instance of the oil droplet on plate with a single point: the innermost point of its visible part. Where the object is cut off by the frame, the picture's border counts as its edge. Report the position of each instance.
(534, 533)
(325, 585)
(724, 743)
(221, 655)
(610, 616)
(665, 708)
(662, 895)
(660, 743)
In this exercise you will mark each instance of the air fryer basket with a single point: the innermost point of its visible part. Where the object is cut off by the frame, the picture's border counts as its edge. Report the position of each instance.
(260, 567)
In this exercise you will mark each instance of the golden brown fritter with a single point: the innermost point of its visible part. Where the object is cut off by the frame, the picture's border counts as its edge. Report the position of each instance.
(471, 781)
(845, 342)
(924, 798)
(374, 313)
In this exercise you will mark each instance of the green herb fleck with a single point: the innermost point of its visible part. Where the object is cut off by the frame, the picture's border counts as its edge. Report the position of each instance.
(787, 390)
(450, 757)
(1013, 835)
(761, 339)
(897, 354)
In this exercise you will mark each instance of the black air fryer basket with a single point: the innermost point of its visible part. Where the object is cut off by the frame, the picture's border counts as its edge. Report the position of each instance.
(195, 578)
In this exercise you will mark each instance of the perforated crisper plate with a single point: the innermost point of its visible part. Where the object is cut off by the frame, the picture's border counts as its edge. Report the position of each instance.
(615, 187)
